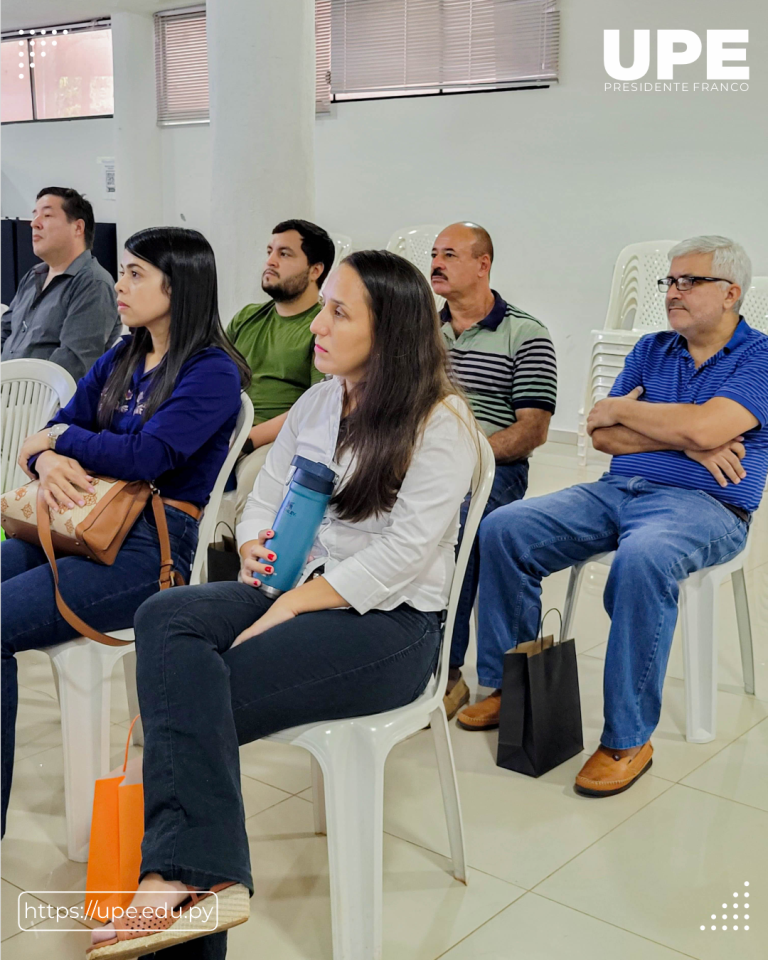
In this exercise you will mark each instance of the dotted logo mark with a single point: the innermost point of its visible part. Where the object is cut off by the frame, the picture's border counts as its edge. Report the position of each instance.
(742, 915)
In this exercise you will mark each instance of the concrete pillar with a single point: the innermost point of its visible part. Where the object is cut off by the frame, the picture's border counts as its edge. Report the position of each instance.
(138, 148)
(261, 62)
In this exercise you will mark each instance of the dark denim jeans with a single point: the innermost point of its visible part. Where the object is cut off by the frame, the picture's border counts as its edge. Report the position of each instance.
(200, 699)
(660, 533)
(105, 597)
(509, 484)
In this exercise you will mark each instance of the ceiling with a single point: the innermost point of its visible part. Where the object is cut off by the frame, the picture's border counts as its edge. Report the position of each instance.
(20, 14)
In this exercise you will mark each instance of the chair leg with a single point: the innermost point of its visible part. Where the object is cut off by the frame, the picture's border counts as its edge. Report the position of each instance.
(132, 693)
(698, 610)
(318, 798)
(571, 599)
(353, 772)
(84, 670)
(745, 629)
(450, 787)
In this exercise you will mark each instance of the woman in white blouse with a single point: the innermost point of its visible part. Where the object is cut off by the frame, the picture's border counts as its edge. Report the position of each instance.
(222, 664)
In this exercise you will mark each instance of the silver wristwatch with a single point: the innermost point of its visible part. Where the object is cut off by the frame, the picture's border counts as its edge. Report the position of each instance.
(55, 432)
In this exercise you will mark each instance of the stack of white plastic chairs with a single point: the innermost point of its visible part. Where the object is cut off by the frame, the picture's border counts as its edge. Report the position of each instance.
(415, 244)
(635, 307)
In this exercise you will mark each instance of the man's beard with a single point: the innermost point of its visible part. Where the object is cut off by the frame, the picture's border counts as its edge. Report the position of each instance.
(283, 290)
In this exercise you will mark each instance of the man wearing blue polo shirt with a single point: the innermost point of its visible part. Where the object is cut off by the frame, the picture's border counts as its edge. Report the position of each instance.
(686, 423)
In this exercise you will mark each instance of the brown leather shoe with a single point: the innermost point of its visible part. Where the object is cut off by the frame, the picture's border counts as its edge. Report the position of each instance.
(455, 698)
(607, 772)
(483, 715)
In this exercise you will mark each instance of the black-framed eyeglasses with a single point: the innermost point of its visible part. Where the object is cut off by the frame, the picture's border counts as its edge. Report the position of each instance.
(687, 283)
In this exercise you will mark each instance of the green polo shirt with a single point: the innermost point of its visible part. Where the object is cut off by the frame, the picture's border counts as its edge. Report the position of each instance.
(504, 363)
(280, 353)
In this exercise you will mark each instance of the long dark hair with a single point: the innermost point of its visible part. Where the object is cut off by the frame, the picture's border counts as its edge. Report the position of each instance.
(406, 376)
(186, 260)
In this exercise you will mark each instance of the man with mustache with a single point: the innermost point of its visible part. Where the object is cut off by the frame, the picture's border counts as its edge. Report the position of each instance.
(504, 360)
(686, 425)
(275, 339)
(65, 309)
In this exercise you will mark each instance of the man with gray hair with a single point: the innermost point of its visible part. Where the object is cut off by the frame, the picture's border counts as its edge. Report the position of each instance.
(686, 425)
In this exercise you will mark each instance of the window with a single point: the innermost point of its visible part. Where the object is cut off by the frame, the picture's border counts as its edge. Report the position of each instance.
(181, 64)
(381, 48)
(385, 48)
(181, 67)
(17, 90)
(57, 73)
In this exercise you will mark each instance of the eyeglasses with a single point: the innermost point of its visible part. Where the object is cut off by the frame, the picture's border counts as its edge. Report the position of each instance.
(686, 283)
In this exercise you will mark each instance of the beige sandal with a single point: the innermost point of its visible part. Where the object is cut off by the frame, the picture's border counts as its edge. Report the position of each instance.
(137, 936)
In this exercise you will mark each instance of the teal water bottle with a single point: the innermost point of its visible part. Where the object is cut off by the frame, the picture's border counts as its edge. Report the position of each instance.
(297, 523)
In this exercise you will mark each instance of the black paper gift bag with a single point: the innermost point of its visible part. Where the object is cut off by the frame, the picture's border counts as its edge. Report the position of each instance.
(540, 718)
(223, 558)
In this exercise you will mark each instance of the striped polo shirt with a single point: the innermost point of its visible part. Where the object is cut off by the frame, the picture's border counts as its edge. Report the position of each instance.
(503, 363)
(661, 364)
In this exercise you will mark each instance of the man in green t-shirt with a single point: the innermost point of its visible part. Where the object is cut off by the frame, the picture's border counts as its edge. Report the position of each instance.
(275, 339)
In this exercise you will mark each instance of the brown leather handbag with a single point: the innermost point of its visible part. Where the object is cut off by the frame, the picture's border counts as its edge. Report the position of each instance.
(96, 530)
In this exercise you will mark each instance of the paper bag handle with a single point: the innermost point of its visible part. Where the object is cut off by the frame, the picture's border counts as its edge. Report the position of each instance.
(541, 624)
(128, 741)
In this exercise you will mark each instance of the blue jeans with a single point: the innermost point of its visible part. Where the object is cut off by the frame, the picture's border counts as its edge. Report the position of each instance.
(105, 597)
(660, 533)
(509, 484)
(200, 698)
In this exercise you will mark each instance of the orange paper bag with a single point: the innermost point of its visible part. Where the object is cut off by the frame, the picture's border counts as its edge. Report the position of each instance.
(117, 829)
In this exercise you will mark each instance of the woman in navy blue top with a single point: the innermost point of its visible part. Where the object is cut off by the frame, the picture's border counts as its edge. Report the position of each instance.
(159, 406)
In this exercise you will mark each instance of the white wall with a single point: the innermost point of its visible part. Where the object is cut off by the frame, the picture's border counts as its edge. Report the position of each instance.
(187, 177)
(563, 178)
(64, 153)
(60, 153)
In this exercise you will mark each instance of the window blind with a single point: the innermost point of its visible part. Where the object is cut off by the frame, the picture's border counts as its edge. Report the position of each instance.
(181, 66)
(409, 47)
(322, 56)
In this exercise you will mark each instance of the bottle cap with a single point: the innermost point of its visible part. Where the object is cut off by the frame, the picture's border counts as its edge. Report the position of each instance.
(314, 476)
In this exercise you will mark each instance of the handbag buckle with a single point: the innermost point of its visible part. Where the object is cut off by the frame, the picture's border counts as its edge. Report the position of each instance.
(166, 576)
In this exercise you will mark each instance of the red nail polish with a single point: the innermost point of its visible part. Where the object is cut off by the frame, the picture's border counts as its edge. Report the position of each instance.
(271, 556)
(269, 570)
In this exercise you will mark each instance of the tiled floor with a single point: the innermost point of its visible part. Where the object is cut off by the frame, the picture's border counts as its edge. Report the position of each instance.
(552, 874)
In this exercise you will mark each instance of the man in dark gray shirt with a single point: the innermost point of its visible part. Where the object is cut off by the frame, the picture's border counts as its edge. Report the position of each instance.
(65, 309)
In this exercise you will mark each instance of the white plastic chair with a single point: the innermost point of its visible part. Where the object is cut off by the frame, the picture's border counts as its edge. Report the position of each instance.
(755, 306)
(32, 392)
(635, 302)
(83, 669)
(699, 599)
(343, 245)
(348, 758)
(415, 244)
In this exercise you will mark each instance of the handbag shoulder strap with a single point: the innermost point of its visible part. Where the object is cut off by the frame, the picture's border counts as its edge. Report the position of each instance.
(167, 575)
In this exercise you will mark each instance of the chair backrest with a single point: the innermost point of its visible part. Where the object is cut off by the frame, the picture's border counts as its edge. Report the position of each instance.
(32, 392)
(211, 512)
(415, 244)
(635, 302)
(343, 245)
(755, 306)
(482, 481)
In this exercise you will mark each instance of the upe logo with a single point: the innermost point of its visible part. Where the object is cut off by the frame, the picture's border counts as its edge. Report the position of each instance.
(676, 48)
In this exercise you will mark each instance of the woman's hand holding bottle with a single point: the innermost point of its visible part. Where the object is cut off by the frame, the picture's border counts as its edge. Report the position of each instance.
(256, 560)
